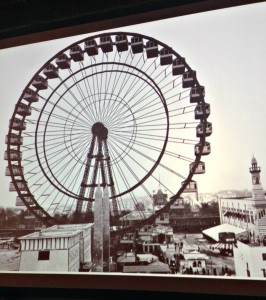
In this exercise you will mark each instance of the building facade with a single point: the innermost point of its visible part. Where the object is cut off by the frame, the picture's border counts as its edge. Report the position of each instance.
(60, 248)
(247, 213)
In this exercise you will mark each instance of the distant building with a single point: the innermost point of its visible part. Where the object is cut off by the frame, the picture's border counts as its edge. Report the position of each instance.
(247, 214)
(159, 199)
(194, 261)
(61, 248)
(141, 263)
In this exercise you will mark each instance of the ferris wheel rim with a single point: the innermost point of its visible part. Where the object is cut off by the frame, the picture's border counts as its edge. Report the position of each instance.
(162, 150)
(202, 139)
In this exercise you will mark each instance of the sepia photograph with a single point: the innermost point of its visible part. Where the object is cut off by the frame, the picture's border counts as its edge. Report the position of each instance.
(137, 150)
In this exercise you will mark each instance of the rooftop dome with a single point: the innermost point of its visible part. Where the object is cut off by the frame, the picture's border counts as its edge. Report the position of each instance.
(253, 160)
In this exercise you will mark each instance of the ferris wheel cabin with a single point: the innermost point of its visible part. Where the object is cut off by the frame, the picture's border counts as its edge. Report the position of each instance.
(178, 204)
(205, 151)
(190, 187)
(106, 44)
(199, 111)
(19, 201)
(50, 71)
(200, 131)
(16, 170)
(17, 124)
(14, 139)
(200, 169)
(91, 47)
(14, 155)
(189, 79)
(76, 53)
(197, 94)
(22, 186)
(121, 43)
(178, 67)
(63, 61)
(23, 109)
(136, 44)
(151, 49)
(40, 83)
(30, 95)
(166, 57)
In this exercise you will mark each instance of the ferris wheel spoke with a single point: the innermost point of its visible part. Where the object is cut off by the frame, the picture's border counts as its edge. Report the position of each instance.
(74, 183)
(66, 115)
(121, 172)
(82, 112)
(144, 100)
(158, 149)
(180, 112)
(77, 101)
(151, 92)
(59, 150)
(161, 138)
(89, 93)
(64, 168)
(123, 83)
(59, 125)
(164, 76)
(176, 98)
(140, 165)
(150, 159)
(77, 86)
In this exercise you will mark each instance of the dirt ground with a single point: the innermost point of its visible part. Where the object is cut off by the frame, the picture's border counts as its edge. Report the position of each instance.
(9, 260)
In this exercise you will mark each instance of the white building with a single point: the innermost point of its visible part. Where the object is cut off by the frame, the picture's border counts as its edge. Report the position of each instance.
(249, 215)
(85, 238)
(194, 260)
(250, 259)
(60, 248)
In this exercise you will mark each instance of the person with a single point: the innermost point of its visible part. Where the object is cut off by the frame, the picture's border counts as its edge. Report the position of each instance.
(223, 270)
(172, 261)
(214, 272)
(175, 246)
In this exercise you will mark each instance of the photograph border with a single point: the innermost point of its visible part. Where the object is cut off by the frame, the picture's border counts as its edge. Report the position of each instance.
(92, 281)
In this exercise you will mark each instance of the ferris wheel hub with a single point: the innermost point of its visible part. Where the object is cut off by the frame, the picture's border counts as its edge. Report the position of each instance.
(99, 130)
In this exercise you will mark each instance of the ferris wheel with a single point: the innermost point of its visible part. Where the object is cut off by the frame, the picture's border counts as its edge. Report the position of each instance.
(120, 110)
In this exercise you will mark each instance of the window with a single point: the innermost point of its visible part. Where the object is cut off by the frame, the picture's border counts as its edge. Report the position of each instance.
(44, 255)
(263, 256)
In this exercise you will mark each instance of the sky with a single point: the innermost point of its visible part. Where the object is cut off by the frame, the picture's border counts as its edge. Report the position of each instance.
(227, 49)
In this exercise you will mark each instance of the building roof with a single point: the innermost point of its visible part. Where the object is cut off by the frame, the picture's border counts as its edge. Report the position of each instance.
(213, 232)
(195, 255)
(69, 227)
(136, 215)
(155, 267)
(84, 228)
(57, 231)
(50, 235)
(130, 257)
(126, 258)
(253, 160)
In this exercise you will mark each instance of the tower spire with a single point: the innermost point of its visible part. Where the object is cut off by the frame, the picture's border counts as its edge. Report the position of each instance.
(257, 190)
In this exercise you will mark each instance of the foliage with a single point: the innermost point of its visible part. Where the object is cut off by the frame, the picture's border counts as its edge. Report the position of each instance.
(209, 208)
